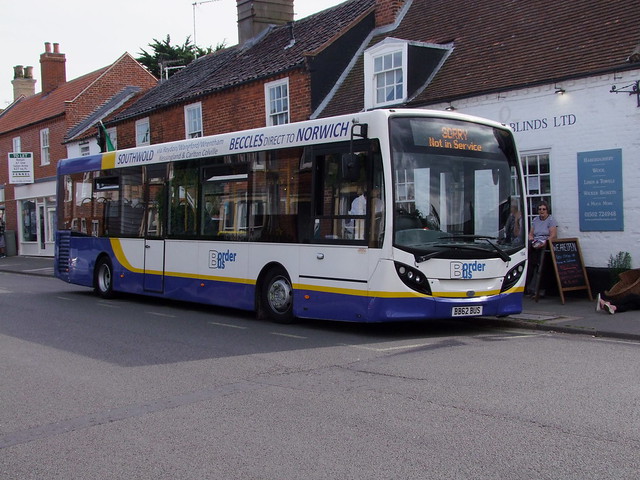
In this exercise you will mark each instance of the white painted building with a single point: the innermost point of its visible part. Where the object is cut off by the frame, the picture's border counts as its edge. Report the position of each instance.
(586, 117)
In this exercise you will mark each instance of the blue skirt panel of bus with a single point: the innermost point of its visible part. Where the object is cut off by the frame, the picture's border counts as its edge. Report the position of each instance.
(415, 309)
(353, 308)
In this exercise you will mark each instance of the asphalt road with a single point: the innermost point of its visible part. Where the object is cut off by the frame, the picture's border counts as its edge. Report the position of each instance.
(140, 389)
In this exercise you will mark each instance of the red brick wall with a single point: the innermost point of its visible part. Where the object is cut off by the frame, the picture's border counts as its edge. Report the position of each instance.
(386, 11)
(125, 71)
(237, 108)
(30, 142)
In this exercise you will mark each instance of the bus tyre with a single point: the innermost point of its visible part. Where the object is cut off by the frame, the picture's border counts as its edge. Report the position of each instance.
(277, 296)
(103, 278)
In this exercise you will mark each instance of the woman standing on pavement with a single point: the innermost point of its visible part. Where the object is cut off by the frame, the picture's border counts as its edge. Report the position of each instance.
(543, 229)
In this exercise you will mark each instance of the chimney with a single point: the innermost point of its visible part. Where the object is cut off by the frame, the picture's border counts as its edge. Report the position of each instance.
(254, 16)
(52, 67)
(23, 82)
(386, 11)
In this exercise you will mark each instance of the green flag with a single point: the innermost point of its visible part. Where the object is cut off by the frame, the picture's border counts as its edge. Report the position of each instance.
(108, 144)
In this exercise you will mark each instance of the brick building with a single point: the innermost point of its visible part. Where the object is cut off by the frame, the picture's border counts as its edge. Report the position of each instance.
(279, 72)
(37, 130)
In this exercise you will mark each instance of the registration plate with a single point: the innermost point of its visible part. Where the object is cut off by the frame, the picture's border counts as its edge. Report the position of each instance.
(466, 311)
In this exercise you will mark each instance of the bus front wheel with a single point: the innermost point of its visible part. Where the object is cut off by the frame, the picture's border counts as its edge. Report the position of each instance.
(277, 296)
(103, 278)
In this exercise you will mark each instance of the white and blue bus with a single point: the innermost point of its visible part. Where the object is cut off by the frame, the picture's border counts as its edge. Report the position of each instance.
(388, 215)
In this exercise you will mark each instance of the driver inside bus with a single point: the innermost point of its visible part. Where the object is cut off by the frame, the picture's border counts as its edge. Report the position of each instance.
(354, 228)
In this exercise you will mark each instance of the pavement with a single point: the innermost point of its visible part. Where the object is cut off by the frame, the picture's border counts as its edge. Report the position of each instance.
(577, 315)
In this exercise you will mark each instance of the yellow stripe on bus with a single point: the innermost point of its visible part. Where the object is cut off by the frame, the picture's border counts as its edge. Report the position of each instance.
(121, 257)
(194, 276)
(108, 160)
(358, 293)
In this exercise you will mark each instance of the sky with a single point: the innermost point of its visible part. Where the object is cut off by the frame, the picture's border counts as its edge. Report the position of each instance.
(93, 34)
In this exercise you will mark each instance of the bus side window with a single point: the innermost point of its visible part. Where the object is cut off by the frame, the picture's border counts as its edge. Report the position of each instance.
(377, 209)
(183, 199)
(156, 200)
(132, 204)
(341, 196)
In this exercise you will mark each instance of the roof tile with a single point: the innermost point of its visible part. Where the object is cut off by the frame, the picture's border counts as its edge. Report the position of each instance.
(505, 44)
(272, 53)
(39, 107)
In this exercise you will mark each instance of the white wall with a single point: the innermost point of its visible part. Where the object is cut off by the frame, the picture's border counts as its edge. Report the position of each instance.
(73, 149)
(587, 117)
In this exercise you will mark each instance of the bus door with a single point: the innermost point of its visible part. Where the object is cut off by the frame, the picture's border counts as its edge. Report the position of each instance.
(342, 219)
(154, 244)
(153, 265)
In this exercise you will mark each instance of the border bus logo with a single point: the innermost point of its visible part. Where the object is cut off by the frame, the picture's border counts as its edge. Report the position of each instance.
(218, 260)
(465, 270)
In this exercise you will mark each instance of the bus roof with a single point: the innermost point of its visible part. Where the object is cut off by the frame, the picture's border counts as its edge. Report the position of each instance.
(332, 129)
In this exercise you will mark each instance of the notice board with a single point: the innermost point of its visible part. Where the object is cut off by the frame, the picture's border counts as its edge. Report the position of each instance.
(569, 266)
(600, 191)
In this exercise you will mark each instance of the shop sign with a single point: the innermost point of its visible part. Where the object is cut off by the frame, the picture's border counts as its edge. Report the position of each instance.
(21, 167)
(600, 191)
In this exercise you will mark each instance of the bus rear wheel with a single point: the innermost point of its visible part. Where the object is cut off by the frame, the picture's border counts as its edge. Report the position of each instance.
(103, 278)
(277, 296)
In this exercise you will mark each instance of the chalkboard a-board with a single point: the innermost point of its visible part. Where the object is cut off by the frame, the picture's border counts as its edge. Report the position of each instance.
(569, 266)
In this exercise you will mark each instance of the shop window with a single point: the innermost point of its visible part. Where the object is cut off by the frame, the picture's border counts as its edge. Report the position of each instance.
(29, 221)
(537, 176)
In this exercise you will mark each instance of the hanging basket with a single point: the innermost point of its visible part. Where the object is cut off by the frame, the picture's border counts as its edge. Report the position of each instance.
(629, 283)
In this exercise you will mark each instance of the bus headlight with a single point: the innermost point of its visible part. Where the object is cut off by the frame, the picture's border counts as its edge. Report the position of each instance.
(413, 278)
(512, 276)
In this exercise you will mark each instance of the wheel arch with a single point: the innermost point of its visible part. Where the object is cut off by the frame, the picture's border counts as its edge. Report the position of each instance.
(102, 258)
(259, 285)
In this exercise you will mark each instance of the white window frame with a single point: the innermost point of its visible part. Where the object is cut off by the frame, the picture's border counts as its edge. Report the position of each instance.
(274, 109)
(16, 144)
(143, 132)
(536, 168)
(386, 48)
(193, 120)
(44, 147)
(85, 149)
(113, 136)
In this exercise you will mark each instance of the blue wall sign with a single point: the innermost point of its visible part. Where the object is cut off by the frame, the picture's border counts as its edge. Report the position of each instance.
(600, 190)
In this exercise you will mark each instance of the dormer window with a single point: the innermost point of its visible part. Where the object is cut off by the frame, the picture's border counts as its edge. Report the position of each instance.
(389, 78)
(385, 68)
(396, 71)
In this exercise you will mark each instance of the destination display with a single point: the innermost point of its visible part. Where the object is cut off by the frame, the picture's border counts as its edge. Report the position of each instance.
(451, 135)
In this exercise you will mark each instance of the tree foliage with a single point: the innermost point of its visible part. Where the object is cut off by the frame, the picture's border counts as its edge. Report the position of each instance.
(164, 59)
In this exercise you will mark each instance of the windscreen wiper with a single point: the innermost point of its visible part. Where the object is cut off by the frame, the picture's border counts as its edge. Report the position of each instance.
(490, 240)
(501, 253)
